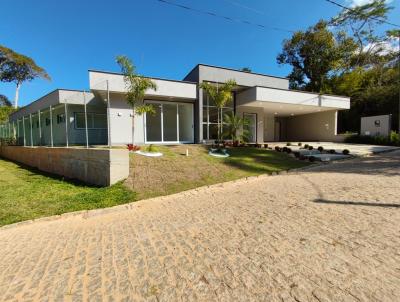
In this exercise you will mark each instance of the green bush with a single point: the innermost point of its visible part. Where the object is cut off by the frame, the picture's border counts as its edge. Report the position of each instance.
(395, 138)
(392, 140)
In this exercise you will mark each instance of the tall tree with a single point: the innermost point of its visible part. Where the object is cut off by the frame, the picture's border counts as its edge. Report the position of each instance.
(314, 54)
(136, 86)
(362, 22)
(18, 68)
(221, 95)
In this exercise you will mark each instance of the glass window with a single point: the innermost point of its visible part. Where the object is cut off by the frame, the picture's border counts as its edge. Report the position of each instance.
(170, 122)
(213, 114)
(205, 130)
(213, 131)
(60, 118)
(153, 125)
(80, 120)
(47, 121)
(205, 115)
(99, 121)
(94, 120)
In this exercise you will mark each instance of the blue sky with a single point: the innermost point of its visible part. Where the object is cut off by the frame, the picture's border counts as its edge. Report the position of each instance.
(69, 37)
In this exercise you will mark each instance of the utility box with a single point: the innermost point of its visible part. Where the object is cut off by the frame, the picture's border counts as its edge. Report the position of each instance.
(376, 125)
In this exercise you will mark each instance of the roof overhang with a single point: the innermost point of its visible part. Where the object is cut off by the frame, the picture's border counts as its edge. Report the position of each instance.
(54, 99)
(168, 89)
(288, 102)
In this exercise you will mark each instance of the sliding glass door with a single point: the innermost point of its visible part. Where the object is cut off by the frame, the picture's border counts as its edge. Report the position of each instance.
(172, 123)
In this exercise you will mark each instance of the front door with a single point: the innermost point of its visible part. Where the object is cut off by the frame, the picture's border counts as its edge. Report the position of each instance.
(251, 127)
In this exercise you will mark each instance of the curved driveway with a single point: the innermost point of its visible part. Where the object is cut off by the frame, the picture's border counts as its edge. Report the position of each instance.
(330, 233)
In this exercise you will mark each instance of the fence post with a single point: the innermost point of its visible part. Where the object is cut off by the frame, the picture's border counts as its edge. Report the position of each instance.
(51, 126)
(30, 122)
(23, 126)
(66, 123)
(40, 129)
(86, 126)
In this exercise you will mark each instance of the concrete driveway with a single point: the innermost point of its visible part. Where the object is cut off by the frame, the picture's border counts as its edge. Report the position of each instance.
(331, 233)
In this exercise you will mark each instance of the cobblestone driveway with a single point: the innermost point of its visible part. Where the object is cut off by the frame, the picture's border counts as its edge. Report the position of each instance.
(327, 234)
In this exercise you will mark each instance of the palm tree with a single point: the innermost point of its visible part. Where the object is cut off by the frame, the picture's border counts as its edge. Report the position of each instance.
(235, 128)
(17, 68)
(136, 86)
(221, 96)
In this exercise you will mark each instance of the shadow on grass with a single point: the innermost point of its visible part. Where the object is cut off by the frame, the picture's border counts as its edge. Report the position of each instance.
(258, 160)
(357, 203)
(34, 172)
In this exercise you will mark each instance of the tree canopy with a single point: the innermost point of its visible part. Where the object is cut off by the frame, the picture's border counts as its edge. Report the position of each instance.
(349, 55)
(18, 68)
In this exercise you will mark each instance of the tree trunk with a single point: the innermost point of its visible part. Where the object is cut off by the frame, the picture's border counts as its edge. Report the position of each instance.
(17, 95)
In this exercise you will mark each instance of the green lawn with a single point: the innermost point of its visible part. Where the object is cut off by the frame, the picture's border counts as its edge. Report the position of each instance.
(27, 194)
(174, 172)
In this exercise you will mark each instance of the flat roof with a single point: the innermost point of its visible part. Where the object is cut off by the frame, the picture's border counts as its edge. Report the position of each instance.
(237, 70)
(147, 77)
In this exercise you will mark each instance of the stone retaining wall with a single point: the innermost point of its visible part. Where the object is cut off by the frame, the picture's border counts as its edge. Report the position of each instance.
(102, 167)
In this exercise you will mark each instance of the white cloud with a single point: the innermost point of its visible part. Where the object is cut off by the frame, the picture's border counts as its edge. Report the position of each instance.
(353, 3)
(383, 48)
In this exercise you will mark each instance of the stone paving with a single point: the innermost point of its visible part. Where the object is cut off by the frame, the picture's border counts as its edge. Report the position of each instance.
(331, 233)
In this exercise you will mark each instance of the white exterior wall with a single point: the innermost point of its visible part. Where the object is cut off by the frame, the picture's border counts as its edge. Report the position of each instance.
(165, 88)
(321, 126)
(264, 94)
(269, 127)
(120, 120)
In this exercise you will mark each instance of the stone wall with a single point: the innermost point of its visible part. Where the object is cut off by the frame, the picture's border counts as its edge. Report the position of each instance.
(102, 167)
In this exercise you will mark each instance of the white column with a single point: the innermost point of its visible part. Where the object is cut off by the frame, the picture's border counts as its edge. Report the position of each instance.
(108, 116)
(51, 126)
(66, 123)
(40, 129)
(177, 122)
(86, 126)
(30, 122)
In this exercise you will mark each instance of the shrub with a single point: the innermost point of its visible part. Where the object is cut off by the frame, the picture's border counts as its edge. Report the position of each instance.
(299, 144)
(306, 146)
(265, 146)
(288, 150)
(311, 159)
(284, 149)
(346, 152)
(151, 148)
(393, 139)
(288, 144)
(310, 148)
(278, 149)
(8, 141)
(296, 154)
(332, 151)
(320, 148)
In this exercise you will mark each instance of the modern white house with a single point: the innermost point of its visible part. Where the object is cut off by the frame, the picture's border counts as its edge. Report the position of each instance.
(184, 113)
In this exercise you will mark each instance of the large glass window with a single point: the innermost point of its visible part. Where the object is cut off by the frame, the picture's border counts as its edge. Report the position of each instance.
(210, 117)
(94, 120)
(153, 125)
(173, 122)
